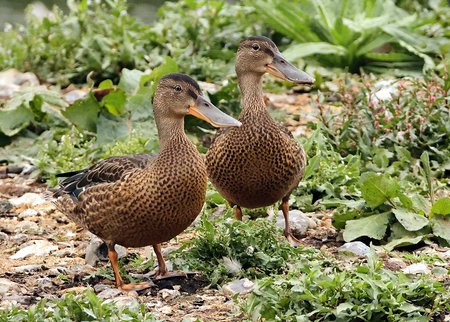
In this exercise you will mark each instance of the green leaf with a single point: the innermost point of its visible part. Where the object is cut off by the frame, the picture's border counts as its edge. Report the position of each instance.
(130, 80)
(14, 120)
(373, 226)
(106, 84)
(404, 241)
(297, 51)
(83, 113)
(114, 102)
(168, 66)
(441, 227)
(441, 206)
(410, 220)
(376, 189)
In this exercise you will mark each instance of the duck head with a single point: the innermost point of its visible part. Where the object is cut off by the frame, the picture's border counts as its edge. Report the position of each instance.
(178, 95)
(260, 55)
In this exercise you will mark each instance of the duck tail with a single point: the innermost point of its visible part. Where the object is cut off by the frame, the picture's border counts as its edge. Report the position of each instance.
(67, 205)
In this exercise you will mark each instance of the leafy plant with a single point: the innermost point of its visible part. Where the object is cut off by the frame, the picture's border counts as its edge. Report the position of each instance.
(236, 249)
(84, 307)
(312, 292)
(375, 35)
(206, 36)
(66, 48)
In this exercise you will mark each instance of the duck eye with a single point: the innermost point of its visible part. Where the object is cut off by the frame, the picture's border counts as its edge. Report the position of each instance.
(255, 46)
(178, 88)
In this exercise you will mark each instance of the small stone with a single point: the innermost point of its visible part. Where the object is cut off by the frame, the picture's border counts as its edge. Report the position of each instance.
(28, 227)
(44, 282)
(128, 302)
(5, 207)
(101, 287)
(29, 199)
(55, 271)
(299, 222)
(356, 248)
(439, 271)
(39, 248)
(417, 268)
(28, 268)
(394, 264)
(28, 213)
(169, 294)
(446, 254)
(7, 286)
(19, 238)
(3, 236)
(242, 286)
(20, 299)
(98, 251)
(165, 310)
(109, 293)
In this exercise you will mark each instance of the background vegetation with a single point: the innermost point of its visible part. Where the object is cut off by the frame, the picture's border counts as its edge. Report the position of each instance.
(379, 156)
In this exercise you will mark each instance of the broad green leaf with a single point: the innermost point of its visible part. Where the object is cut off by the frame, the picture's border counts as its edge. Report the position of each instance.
(297, 51)
(130, 80)
(441, 206)
(109, 129)
(168, 66)
(14, 120)
(114, 102)
(312, 167)
(441, 227)
(376, 189)
(106, 84)
(83, 113)
(404, 241)
(410, 220)
(373, 226)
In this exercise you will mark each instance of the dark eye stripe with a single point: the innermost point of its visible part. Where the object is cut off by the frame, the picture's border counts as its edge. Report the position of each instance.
(266, 50)
(192, 94)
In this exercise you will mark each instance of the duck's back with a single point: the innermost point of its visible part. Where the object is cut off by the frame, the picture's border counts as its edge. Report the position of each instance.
(146, 205)
(255, 165)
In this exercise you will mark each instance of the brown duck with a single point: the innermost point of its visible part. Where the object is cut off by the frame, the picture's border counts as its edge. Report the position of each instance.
(141, 200)
(260, 162)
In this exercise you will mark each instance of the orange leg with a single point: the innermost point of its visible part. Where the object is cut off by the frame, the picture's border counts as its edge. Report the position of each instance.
(112, 254)
(238, 213)
(163, 272)
(284, 207)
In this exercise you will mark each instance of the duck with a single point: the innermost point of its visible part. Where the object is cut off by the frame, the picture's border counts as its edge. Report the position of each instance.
(142, 200)
(260, 163)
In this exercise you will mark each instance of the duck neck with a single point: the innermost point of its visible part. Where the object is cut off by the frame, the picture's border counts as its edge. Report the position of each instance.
(252, 100)
(170, 129)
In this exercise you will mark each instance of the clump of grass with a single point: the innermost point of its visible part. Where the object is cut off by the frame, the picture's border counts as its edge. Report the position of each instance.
(232, 248)
(84, 307)
(312, 292)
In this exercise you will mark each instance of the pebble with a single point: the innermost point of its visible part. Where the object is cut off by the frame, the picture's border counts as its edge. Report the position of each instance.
(3, 236)
(300, 223)
(446, 254)
(29, 199)
(121, 302)
(98, 251)
(19, 299)
(165, 310)
(28, 227)
(109, 293)
(7, 286)
(19, 238)
(28, 213)
(242, 286)
(28, 268)
(395, 264)
(356, 248)
(5, 207)
(44, 283)
(439, 271)
(39, 248)
(417, 268)
(169, 294)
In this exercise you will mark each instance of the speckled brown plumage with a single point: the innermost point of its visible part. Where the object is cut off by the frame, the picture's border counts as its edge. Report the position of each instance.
(144, 200)
(259, 163)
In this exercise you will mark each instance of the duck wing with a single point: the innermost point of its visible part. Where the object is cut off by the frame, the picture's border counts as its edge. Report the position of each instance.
(104, 171)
